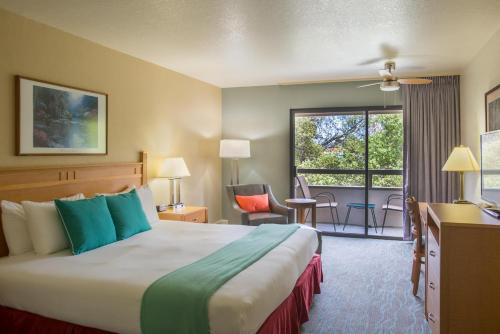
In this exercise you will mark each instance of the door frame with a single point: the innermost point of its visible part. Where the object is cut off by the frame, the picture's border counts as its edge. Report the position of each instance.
(293, 169)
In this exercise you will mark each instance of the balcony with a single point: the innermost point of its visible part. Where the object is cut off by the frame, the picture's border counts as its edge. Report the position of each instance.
(377, 195)
(351, 152)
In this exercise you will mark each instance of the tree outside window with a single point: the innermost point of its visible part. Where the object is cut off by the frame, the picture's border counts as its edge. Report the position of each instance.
(338, 142)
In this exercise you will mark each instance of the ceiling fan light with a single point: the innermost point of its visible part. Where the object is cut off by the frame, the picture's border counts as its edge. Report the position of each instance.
(389, 86)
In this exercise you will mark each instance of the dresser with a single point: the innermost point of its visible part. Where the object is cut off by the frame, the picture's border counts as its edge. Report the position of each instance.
(462, 276)
(192, 214)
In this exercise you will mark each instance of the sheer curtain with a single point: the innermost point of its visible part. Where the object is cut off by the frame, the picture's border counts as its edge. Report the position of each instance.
(432, 130)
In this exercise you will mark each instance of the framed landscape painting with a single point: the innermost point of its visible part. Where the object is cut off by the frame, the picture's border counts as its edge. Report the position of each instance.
(59, 120)
(492, 105)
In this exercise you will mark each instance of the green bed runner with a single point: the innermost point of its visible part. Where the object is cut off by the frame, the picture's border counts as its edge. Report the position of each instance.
(178, 302)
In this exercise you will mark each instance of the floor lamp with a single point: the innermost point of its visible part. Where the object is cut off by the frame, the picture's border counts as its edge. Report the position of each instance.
(234, 149)
(461, 160)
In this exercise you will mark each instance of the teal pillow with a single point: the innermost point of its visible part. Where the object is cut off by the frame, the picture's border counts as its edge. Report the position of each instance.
(87, 222)
(128, 216)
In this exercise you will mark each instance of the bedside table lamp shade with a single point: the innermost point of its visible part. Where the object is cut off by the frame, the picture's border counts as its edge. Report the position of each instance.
(174, 169)
(234, 149)
(461, 160)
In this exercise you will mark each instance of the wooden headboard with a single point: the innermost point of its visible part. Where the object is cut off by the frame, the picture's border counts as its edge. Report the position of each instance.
(51, 182)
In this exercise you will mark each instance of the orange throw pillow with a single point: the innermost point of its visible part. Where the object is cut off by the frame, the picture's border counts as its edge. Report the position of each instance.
(255, 203)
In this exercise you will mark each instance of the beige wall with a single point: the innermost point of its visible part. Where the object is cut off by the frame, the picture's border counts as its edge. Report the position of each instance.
(482, 74)
(150, 108)
(262, 114)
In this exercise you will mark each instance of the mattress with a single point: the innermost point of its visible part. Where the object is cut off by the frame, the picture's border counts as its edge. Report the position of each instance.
(103, 288)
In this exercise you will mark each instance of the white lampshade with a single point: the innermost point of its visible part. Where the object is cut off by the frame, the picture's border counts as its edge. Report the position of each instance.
(234, 148)
(461, 160)
(173, 168)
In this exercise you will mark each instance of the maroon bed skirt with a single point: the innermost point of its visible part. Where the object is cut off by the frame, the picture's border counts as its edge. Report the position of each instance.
(286, 319)
(294, 311)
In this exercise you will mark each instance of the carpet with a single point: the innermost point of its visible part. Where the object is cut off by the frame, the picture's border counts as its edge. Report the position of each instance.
(367, 289)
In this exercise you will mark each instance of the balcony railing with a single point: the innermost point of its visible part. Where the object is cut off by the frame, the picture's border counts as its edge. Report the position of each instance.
(371, 173)
(356, 194)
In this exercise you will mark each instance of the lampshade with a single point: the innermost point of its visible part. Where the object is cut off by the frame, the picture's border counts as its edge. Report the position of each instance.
(174, 168)
(461, 160)
(234, 148)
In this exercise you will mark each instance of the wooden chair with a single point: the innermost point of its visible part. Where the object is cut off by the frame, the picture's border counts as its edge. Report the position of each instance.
(330, 203)
(413, 209)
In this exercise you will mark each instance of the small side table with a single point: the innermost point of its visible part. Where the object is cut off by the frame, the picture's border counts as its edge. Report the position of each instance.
(370, 206)
(301, 204)
(192, 214)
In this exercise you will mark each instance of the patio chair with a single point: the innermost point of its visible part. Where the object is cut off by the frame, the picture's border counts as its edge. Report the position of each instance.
(391, 207)
(330, 202)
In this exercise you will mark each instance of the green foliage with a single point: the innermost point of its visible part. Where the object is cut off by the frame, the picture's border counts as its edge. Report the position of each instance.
(305, 147)
(385, 142)
(338, 142)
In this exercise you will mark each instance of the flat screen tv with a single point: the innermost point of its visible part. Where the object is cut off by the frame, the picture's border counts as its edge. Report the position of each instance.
(490, 167)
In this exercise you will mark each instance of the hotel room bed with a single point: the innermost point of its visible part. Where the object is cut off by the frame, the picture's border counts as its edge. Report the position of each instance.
(103, 288)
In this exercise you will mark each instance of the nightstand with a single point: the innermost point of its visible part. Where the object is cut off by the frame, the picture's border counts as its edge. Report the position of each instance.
(193, 214)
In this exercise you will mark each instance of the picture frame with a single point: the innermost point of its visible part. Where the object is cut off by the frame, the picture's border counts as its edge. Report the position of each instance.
(492, 109)
(56, 119)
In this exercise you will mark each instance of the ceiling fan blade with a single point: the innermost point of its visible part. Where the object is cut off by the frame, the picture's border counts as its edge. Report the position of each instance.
(371, 61)
(414, 81)
(372, 84)
(389, 51)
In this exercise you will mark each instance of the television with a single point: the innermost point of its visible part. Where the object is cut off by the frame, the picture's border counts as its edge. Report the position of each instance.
(490, 167)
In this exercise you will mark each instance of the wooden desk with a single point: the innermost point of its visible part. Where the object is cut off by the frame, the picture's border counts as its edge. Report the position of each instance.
(462, 276)
(192, 214)
(301, 204)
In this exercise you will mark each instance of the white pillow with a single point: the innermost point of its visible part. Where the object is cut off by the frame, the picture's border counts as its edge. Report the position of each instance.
(45, 227)
(124, 191)
(148, 204)
(15, 229)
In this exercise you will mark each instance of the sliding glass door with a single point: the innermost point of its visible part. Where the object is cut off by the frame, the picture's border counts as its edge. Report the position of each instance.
(330, 155)
(385, 173)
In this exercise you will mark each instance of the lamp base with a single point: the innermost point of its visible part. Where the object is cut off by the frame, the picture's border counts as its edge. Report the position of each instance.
(461, 201)
(175, 194)
(176, 205)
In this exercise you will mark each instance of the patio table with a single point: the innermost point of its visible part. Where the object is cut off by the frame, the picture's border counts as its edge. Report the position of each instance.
(370, 206)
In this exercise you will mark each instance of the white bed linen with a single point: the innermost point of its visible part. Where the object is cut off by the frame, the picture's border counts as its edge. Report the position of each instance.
(103, 288)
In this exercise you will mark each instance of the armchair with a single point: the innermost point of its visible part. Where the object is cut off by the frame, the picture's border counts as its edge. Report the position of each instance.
(279, 214)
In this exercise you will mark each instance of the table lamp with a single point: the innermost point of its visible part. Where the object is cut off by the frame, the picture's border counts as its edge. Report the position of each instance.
(234, 149)
(461, 160)
(174, 169)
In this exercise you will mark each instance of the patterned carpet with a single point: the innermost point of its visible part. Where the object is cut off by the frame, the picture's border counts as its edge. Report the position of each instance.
(367, 289)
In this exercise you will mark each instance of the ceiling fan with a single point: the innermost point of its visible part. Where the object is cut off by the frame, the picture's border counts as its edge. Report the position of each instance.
(391, 83)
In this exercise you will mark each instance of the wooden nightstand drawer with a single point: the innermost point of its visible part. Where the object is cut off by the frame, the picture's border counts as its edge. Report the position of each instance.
(192, 214)
(196, 217)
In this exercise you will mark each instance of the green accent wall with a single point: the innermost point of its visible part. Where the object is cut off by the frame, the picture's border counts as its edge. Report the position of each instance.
(262, 114)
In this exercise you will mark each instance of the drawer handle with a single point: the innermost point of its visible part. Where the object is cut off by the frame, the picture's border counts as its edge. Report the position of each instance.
(431, 317)
(432, 286)
(432, 253)
(195, 219)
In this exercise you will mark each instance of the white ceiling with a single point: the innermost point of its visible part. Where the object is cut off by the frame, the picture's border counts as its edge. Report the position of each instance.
(256, 42)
